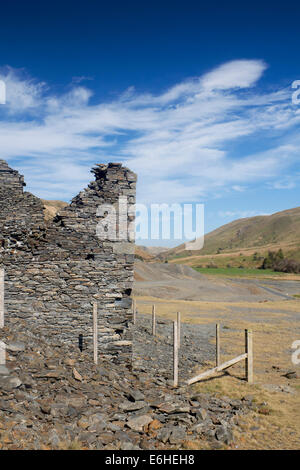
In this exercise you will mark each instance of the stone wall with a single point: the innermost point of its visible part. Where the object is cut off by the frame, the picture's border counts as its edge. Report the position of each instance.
(55, 270)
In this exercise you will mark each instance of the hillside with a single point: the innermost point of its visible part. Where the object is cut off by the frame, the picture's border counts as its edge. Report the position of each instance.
(52, 207)
(253, 234)
(148, 253)
(154, 250)
(142, 254)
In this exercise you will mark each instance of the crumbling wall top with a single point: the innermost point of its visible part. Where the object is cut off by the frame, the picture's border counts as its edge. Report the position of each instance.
(73, 233)
(10, 180)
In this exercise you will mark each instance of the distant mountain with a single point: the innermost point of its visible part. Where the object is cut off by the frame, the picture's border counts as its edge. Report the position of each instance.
(148, 253)
(261, 233)
(154, 250)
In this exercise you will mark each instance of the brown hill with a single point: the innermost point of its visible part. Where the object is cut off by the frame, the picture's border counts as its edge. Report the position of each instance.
(142, 254)
(52, 207)
(261, 233)
(148, 253)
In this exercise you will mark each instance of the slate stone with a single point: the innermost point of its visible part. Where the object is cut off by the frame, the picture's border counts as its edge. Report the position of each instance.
(224, 434)
(136, 395)
(178, 435)
(138, 423)
(15, 347)
(132, 406)
(9, 383)
(4, 370)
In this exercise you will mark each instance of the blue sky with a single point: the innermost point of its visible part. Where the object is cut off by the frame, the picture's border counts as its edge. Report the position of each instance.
(195, 98)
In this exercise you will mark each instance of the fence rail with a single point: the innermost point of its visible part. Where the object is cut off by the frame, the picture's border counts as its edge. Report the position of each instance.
(247, 356)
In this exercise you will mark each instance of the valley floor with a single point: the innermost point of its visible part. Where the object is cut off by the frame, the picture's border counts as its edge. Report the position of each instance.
(271, 309)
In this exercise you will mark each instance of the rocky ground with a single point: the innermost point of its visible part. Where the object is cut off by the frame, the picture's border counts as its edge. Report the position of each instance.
(54, 397)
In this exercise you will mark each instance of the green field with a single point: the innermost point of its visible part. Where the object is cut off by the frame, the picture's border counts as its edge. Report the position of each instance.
(238, 272)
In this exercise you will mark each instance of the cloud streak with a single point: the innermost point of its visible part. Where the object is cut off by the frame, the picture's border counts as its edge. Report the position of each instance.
(179, 141)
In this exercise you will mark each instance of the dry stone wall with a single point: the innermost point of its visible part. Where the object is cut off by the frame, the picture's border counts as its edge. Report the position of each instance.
(55, 270)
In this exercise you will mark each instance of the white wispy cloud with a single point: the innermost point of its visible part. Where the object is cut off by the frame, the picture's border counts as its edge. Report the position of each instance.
(232, 215)
(179, 141)
(22, 93)
(234, 74)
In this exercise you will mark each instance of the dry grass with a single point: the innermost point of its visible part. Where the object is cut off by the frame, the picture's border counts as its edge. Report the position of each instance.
(70, 445)
(52, 207)
(275, 424)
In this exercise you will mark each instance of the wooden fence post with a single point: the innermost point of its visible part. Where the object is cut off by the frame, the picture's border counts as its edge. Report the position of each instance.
(153, 320)
(249, 358)
(134, 312)
(1, 298)
(175, 353)
(217, 345)
(95, 332)
(178, 329)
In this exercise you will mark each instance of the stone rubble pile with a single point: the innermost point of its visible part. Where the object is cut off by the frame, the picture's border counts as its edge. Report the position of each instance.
(54, 397)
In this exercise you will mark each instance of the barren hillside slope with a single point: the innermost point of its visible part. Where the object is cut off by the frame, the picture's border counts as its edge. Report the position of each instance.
(281, 229)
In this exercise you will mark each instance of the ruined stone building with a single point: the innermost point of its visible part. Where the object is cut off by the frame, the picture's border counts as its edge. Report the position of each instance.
(55, 270)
